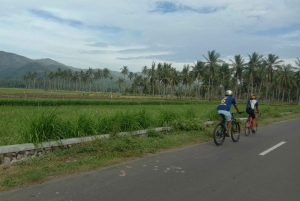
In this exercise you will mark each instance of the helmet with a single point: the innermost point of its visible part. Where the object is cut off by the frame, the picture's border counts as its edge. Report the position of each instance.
(253, 96)
(228, 93)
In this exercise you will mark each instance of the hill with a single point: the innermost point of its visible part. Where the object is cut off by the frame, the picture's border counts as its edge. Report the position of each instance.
(14, 66)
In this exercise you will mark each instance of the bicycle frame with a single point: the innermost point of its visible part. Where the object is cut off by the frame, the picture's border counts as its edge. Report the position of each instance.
(224, 122)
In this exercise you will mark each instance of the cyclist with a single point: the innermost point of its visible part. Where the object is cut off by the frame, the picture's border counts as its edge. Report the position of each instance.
(251, 104)
(224, 108)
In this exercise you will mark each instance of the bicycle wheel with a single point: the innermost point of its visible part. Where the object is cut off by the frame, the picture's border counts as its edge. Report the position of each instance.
(235, 131)
(247, 128)
(218, 134)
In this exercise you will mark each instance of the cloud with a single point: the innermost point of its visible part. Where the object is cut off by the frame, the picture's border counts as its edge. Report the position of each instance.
(170, 7)
(49, 16)
(134, 33)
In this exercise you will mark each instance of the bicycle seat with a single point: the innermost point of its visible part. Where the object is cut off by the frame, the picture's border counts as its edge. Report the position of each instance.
(222, 116)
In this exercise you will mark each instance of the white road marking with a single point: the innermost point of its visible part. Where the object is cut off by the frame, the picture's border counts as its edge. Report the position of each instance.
(271, 149)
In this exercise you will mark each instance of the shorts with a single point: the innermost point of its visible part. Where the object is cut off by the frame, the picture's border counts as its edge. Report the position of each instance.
(251, 112)
(226, 114)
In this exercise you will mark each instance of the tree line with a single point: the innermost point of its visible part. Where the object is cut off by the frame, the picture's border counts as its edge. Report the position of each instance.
(268, 77)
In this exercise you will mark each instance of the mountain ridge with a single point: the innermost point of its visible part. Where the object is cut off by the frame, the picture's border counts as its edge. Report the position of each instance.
(14, 66)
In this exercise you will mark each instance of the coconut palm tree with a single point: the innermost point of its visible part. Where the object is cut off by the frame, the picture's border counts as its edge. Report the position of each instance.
(285, 79)
(111, 79)
(98, 75)
(145, 70)
(297, 78)
(198, 72)
(106, 74)
(224, 75)
(152, 74)
(255, 60)
(175, 79)
(185, 76)
(271, 61)
(124, 71)
(90, 77)
(120, 81)
(212, 62)
(164, 75)
(238, 66)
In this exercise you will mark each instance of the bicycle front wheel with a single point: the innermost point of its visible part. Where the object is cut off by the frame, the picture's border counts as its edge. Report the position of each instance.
(235, 131)
(247, 128)
(218, 134)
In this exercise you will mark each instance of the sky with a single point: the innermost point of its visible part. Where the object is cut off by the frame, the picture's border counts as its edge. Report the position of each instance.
(134, 33)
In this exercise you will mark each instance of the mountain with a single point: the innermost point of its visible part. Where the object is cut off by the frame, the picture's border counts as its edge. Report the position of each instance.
(13, 66)
(12, 61)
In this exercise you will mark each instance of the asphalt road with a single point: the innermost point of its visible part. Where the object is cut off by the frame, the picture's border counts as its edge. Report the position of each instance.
(264, 166)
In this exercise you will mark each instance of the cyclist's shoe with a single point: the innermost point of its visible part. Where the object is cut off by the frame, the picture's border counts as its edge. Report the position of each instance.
(226, 134)
(253, 131)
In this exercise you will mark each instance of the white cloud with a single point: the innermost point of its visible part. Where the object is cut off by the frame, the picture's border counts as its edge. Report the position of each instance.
(110, 34)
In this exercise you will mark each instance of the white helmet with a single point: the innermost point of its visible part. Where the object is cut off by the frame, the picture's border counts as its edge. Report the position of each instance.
(228, 93)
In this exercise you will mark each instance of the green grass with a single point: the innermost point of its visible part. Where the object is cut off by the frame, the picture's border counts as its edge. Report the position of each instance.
(34, 124)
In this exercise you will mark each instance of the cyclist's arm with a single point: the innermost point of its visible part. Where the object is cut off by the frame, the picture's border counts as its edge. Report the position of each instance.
(257, 109)
(237, 109)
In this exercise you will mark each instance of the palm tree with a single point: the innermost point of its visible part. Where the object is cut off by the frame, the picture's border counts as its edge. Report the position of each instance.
(111, 79)
(145, 70)
(45, 75)
(124, 71)
(185, 76)
(285, 78)
(198, 72)
(98, 75)
(271, 61)
(90, 76)
(297, 78)
(164, 76)
(106, 74)
(224, 75)
(238, 67)
(255, 60)
(175, 79)
(75, 78)
(212, 64)
(152, 73)
(120, 81)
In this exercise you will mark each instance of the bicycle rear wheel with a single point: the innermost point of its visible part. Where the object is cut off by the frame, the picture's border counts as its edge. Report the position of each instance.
(235, 131)
(218, 134)
(247, 128)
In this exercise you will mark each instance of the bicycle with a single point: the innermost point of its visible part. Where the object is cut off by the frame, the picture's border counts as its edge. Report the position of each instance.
(219, 130)
(249, 125)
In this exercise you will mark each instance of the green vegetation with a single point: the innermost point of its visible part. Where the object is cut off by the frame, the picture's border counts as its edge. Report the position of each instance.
(79, 118)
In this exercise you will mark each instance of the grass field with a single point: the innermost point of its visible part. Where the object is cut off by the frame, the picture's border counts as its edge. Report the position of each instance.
(37, 121)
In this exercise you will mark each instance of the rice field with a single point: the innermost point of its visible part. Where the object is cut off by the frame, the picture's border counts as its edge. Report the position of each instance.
(40, 121)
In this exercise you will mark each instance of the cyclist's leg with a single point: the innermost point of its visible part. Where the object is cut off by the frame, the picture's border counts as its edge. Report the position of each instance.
(227, 116)
(228, 125)
(249, 120)
(254, 120)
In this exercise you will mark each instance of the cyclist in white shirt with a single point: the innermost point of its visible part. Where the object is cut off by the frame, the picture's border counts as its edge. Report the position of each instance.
(252, 104)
